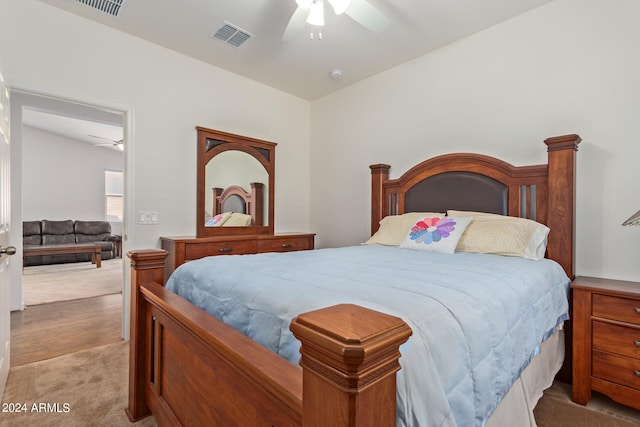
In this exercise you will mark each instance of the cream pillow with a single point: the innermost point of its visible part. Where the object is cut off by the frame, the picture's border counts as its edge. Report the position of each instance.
(238, 220)
(394, 228)
(436, 234)
(503, 235)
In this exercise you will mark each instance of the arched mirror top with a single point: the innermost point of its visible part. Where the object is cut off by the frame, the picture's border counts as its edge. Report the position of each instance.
(235, 174)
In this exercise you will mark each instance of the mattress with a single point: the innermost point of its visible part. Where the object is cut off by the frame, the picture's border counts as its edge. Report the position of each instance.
(477, 320)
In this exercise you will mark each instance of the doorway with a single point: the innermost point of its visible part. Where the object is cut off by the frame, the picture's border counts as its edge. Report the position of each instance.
(30, 102)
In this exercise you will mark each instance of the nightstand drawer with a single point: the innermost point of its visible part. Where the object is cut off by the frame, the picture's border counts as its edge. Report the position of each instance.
(616, 308)
(285, 244)
(239, 247)
(618, 369)
(624, 340)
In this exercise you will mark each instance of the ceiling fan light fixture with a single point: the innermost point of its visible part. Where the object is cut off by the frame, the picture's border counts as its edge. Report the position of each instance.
(316, 13)
(339, 6)
(305, 4)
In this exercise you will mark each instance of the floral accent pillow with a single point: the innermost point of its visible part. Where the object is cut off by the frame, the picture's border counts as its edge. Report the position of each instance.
(217, 220)
(393, 228)
(436, 234)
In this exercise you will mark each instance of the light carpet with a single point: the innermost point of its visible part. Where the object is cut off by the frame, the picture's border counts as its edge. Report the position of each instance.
(87, 388)
(556, 409)
(65, 282)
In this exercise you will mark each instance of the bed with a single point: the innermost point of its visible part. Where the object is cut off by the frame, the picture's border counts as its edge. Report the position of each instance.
(187, 367)
(235, 199)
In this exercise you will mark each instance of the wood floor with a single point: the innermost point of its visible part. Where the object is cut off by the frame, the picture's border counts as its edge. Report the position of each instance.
(49, 330)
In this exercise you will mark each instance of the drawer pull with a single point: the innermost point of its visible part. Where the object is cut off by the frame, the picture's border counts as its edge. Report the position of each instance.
(287, 245)
(637, 343)
(225, 249)
(637, 373)
(637, 310)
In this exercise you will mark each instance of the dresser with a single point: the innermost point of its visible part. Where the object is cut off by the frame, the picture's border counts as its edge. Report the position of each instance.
(606, 340)
(183, 249)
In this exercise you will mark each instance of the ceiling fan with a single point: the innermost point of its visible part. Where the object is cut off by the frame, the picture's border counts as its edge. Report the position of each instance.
(116, 143)
(312, 12)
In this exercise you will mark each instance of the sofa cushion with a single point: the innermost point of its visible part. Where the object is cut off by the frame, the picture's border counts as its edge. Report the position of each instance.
(92, 227)
(31, 233)
(57, 227)
(57, 232)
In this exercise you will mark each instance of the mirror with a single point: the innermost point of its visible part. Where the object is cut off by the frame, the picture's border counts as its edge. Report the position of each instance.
(231, 169)
(235, 174)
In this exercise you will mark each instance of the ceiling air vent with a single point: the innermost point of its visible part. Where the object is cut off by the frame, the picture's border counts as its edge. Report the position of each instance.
(231, 34)
(111, 7)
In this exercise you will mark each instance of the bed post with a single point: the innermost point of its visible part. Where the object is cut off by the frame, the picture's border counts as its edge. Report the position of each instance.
(349, 363)
(562, 199)
(146, 266)
(257, 205)
(379, 174)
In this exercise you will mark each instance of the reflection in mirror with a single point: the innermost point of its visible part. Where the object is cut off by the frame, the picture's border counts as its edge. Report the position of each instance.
(234, 169)
(235, 181)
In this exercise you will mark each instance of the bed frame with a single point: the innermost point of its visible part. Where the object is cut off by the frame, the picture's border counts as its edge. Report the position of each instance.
(187, 368)
(235, 199)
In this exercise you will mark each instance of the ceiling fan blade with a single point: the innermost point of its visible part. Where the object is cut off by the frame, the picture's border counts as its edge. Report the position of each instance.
(367, 15)
(101, 137)
(296, 23)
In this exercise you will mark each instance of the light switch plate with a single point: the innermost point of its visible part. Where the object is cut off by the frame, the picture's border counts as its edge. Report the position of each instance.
(147, 217)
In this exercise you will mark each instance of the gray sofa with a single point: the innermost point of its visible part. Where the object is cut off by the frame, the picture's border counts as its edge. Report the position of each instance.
(68, 232)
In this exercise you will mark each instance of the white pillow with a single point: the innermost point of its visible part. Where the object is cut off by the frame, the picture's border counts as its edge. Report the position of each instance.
(436, 234)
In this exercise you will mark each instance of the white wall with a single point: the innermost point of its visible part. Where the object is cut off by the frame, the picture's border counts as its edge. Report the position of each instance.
(63, 178)
(570, 66)
(48, 50)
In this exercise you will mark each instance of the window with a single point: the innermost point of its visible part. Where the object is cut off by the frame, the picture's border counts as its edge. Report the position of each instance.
(114, 199)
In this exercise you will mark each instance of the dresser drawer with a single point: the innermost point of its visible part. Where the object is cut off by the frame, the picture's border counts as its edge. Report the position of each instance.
(616, 308)
(624, 340)
(234, 247)
(618, 369)
(285, 244)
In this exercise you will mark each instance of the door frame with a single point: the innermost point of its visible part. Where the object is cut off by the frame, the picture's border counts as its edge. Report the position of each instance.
(5, 234)
(26, 97)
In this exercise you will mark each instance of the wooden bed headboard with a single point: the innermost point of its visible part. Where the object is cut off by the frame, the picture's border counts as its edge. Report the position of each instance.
(235, 199)
(475, 182)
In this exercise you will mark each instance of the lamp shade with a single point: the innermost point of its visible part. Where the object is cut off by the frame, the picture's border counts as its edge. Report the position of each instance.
(634, 220)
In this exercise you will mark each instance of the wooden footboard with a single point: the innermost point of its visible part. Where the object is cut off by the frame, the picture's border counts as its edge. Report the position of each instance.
(188, 368)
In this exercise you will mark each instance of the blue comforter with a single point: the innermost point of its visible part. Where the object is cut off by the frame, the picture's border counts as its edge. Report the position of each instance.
(477, 319)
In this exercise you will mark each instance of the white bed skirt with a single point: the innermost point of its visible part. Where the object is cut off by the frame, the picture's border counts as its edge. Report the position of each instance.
(516, 408)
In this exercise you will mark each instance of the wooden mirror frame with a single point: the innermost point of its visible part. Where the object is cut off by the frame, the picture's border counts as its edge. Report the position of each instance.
(263, 151)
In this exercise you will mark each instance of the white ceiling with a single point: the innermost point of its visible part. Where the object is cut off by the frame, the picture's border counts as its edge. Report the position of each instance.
(80, 129)
(301, 66)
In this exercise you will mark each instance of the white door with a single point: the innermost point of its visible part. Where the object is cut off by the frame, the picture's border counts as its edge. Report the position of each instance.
(5, 248)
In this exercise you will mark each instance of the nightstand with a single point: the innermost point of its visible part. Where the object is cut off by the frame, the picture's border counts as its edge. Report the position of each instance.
(606, 340)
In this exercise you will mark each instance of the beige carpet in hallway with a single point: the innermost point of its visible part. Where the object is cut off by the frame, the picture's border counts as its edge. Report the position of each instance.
(64, 282)
(87, 388)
